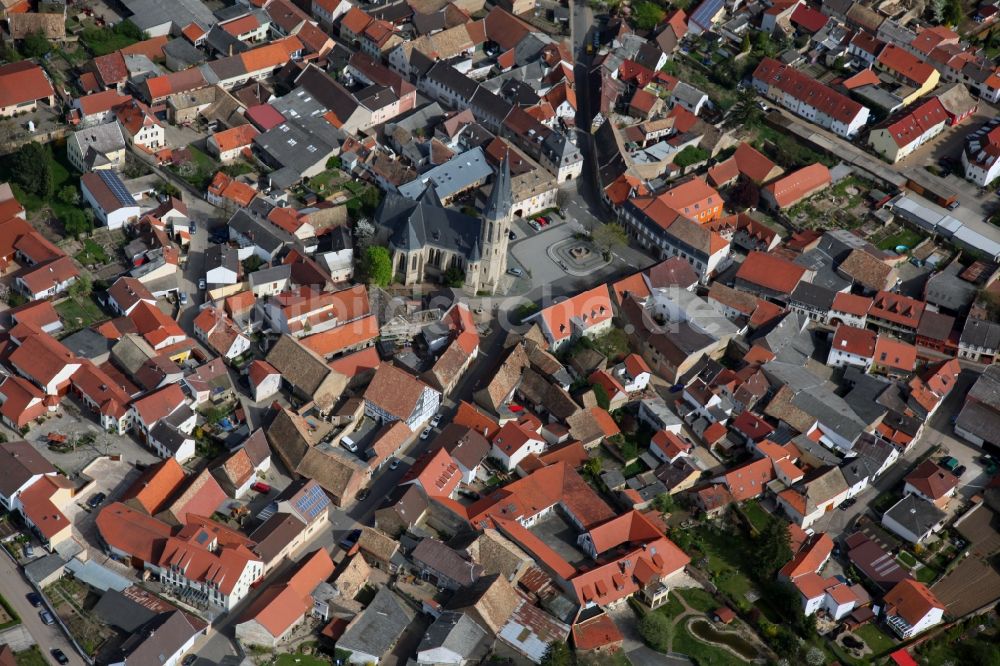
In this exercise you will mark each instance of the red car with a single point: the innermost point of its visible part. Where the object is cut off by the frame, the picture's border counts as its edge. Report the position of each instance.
(261, 487)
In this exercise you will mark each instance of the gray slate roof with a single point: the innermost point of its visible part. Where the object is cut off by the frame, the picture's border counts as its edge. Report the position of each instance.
(915, 514)
(379, 626)
(425, 222)
(458, 633)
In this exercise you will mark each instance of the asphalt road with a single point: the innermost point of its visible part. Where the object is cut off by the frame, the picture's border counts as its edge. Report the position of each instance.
(14, 589)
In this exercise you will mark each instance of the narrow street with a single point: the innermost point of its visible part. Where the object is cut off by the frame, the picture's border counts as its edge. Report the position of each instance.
(15, 589)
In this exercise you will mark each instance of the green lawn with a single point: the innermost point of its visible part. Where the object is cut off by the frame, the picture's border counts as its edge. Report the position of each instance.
(8, 611)
(722, 551)
(92, 253)
(877, 640)
(31, 657)
(199, 171)
(102, 41)
(926, 574)
(756, 515)
(301, 660)
(673, 607)
(699, 599)
(77, 314)
(907, 237)
(633, 468)
(702, 654)
(907, 559)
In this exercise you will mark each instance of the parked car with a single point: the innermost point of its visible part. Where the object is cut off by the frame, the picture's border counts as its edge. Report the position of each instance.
(511, 235)
(192, 228)
(949, 463)
(426, 433)
(190, 659)
(436, 421)
(959, 471)
(201, 284)
(34, 599)
(516, 272)
(29, 550)
(46, 617)
(534, 225)
(261, 487)
(96, 500)
(59, 655)
(394, 463)
(350, 539)
(363, 494)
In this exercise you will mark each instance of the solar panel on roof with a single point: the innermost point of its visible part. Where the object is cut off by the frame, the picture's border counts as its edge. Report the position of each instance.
(117, 187)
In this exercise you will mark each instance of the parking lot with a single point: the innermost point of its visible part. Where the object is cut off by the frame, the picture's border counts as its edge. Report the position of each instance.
(68, 420)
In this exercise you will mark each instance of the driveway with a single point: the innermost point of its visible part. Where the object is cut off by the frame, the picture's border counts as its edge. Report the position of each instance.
(14, 589)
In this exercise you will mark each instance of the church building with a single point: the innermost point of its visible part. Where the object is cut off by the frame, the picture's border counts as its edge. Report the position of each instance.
(425, 238)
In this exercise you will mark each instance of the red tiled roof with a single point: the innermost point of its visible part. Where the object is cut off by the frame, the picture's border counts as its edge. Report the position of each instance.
(806, 89)
(905, 64)
(911, 600)
(235, 137)
(132, 532)
(587, 309)
(808, 18)
(791, 189)
(896, 308)
(595, 633)
(22, 82)
(771, 272)
(156, 485)
(918, 122)
(857, 341)
(851, 304)
(895, 354)
(809, 558)
(750, 479)
(932, 480)
(352, 365)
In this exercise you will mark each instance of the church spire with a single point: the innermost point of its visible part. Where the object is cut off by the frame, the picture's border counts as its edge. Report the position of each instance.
(501, 200)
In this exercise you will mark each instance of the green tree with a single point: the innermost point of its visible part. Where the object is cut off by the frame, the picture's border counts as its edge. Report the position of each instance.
(603, 400)
(771, 549)
(252, 263)
(81, 287)
(593, 467)
(745, 112)
(655, 628)
(31, 167)
(557, 654)
(333, 163)
(35, 44)
(75, 222)
(370, 198)
(168, 189)
(664, 503)
(454, 277)
(69, 195)
(610, 236)
(647, 15)
(378, 265)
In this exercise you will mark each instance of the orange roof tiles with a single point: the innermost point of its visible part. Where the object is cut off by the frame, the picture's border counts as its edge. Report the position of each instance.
(905, 64)
(790, 189)
(806, 89)
(337, 339)
(810, 557)
(896, 354)
(130, 531)
(235, 137)
(911, 600)
(586, 310)
(856, 341)
(352, 365)
(851, 304)
(771, 272)
(156, 485)
(750, 479)
(932, 480)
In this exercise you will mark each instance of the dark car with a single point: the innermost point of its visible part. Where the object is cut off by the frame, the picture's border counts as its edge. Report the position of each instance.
(59, 655)
(363, 494)
(190, 659)
(959, 471)
(96, 500)
(34, 599)
(352, 538)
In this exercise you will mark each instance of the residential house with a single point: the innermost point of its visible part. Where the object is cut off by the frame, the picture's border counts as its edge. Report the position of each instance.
(97, 148)
(220, 333)
(588, 314)
(910, 609)
(24, 84)
(372, 634)
(931, 482)
(808, 98)
(797, 186)
(23, 466)
(900, 136)
(981, 409)
(913, 518)
(113, 205)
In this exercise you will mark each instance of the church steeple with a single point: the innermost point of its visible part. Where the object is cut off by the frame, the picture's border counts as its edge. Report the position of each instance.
(501, 200)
